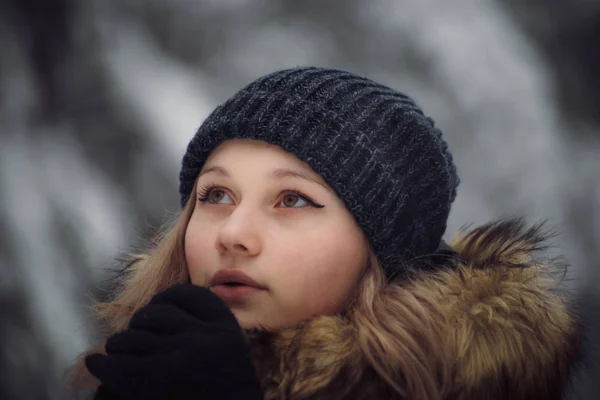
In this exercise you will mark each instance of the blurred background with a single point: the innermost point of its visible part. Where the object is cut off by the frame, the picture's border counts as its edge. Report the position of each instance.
(98, 100)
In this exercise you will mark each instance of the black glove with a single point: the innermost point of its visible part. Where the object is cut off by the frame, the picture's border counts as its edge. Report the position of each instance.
(185, 344)
(104, 393)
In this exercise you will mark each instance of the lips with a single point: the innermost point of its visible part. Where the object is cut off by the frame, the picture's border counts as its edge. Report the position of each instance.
(233, 286)
(233, 278)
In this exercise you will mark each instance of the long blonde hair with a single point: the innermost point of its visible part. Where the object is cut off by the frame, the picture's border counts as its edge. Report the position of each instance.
(390, 332)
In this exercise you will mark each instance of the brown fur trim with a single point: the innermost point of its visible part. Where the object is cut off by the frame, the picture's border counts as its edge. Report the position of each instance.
(511, 335)
(506, 333)
(321, 359)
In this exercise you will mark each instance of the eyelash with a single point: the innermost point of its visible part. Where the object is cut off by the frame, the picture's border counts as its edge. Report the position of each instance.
(207, 188)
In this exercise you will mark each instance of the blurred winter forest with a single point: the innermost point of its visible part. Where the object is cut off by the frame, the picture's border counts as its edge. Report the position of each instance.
(99, 98)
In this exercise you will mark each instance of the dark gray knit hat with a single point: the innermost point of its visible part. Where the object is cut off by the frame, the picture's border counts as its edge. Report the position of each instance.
(373, 145)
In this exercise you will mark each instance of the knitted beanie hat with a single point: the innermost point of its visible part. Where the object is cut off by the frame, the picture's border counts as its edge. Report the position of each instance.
(373, 145)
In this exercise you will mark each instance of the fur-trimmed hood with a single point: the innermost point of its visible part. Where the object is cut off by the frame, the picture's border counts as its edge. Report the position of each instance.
(491, 324)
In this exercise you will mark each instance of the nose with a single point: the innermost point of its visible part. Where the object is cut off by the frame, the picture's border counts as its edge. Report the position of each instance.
(239, 234)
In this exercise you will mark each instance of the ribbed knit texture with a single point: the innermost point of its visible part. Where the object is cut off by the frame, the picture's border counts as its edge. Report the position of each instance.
(373, 145)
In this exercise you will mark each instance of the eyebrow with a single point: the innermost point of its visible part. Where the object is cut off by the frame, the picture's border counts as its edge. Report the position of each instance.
(278, 173)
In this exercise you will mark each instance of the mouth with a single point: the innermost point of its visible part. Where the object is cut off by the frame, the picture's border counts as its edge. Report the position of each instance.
(233, 278)
(234, 286)
(234, 292)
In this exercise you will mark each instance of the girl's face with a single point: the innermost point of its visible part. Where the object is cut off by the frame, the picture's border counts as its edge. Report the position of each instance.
(266, 219)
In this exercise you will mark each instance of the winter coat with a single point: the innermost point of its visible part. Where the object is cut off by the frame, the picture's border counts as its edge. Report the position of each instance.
(500, 329)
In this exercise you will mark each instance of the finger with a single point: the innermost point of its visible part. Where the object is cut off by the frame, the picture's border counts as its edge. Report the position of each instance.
(139, 343)
(199, 301)
(162, 319)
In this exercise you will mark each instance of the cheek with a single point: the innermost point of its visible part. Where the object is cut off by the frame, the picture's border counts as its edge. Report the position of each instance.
(323, 274)
(324, 291)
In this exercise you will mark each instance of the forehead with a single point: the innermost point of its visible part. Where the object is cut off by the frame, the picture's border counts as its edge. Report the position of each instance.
(255, 153)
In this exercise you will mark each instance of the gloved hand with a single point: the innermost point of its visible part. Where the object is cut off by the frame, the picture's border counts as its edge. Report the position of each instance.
(185, 344)
(104, 393)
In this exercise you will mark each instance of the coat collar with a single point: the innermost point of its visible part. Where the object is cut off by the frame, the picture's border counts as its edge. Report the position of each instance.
(503, 330)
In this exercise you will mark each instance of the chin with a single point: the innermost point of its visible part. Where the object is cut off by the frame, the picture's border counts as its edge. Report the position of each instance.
(251, 323)
(245, 320)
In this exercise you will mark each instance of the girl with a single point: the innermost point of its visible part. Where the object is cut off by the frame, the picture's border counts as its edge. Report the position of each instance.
(308, 263)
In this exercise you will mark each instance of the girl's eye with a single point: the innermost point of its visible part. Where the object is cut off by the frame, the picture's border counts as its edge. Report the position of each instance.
(215, 196)
(297, 200)
(293, 200)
